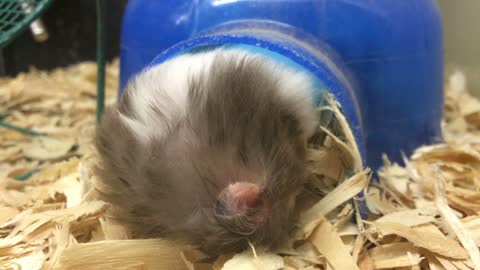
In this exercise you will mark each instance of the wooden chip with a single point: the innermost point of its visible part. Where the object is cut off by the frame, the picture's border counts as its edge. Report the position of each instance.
(62, 239)
(426, 237)
(249, 261)
(344, 192)
(433, 262)
(395, 255)
(330, 245)
(455, 224)
(71, 187)
(452, 264)
(411, 217)
(365, 262)
(326, 162)
(45, 148)
(350, 138)
(7, 213)
(122, 254)
(33, 261)
(55, 171)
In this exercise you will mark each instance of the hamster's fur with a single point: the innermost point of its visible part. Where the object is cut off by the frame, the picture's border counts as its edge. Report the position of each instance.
(185, 130)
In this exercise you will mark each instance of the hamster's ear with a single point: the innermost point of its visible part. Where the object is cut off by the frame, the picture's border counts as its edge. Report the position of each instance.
(119, 149)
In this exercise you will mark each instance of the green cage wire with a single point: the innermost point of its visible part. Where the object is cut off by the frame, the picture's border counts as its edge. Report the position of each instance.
(17, 15)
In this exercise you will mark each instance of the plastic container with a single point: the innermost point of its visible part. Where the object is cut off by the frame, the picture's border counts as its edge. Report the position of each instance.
(383, 60)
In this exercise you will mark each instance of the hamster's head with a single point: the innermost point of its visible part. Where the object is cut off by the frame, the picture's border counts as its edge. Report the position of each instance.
(209, 149)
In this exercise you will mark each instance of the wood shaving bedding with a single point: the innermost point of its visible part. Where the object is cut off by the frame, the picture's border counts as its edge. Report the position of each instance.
(421, 215)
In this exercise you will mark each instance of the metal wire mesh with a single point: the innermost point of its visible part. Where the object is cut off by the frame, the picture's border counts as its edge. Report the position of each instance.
(16, 15)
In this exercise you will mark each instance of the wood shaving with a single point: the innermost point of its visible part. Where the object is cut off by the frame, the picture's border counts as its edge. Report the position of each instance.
(249, 261)
(423, 214)
(395, 255)
(122, 254)
(336, 252)
(454, 223)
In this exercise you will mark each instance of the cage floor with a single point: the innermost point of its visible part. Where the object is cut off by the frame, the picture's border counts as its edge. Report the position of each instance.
(424, 215)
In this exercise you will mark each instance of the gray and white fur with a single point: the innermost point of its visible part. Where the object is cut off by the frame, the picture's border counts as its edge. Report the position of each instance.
(185, 130)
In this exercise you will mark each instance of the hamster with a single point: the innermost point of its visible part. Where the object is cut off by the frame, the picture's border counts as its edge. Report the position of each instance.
(208, 149)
